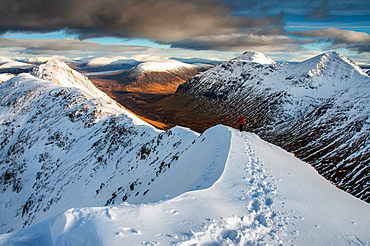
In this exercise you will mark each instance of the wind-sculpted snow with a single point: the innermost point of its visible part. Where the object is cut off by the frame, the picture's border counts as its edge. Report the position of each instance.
(264, 196)
(319, 109)
(63, 147)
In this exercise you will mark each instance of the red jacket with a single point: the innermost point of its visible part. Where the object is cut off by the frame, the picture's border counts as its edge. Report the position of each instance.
(241, 120)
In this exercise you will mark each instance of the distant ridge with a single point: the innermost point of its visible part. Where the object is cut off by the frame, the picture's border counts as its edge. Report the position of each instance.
(152, 77)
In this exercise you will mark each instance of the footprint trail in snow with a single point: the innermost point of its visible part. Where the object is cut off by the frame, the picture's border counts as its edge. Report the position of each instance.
(242, 191)
(258, 223)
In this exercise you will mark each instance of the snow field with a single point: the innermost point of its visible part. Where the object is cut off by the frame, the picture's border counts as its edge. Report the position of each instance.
(262, 196)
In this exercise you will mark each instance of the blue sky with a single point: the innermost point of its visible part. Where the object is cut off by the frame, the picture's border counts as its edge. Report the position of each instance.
(286, 30)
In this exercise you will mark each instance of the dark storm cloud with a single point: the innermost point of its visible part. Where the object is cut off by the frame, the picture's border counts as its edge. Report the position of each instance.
(337, 38)
(159, 20)
(66, 46)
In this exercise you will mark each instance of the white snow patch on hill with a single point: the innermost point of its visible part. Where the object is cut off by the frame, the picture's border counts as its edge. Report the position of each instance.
(161, 66)
(16, 64)
(104, 61)
(254, 56)
(258, 195)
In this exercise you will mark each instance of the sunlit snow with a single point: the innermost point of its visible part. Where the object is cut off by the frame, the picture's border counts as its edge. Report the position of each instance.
(94, 174)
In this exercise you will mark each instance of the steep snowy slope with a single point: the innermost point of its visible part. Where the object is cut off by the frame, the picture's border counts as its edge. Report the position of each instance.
(317, 109)
(58, 73)
(244, 192)
(63, 147)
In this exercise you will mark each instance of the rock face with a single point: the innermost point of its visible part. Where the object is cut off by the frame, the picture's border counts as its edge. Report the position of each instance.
(319, 109)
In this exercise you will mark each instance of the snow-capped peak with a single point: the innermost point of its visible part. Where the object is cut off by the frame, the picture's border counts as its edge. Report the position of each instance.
(15, 64)
(60, 74)
(254, 56)
(160, 66)
(331, 61)
(105, 61)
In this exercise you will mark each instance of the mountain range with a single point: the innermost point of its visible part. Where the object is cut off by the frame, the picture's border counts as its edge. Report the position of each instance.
(79, 169)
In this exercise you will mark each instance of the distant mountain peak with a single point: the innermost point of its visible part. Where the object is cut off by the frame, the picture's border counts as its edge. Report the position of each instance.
(59, 73)
(332, 61)
(114, 61)
(156, 77)
(254, 56)
(160, 66)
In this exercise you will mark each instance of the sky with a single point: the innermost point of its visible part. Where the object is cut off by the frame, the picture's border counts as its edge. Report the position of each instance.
(286, 30)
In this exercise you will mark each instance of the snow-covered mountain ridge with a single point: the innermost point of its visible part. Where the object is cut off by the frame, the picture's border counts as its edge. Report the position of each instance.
(64, 147)
(57, 140)
(317, 109)
(252, 198)
(58, 73)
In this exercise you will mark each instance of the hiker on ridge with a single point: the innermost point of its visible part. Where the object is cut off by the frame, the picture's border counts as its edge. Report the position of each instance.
(241, 121)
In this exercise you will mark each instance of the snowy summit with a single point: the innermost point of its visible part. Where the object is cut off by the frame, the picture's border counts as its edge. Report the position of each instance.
(105, 61)
(79, 170)
(254, 56)
(161, 66)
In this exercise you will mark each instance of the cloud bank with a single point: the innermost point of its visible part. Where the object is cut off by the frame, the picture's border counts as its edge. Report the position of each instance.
(337, 38)
(223, 25)
(159, 20)
(67, 46)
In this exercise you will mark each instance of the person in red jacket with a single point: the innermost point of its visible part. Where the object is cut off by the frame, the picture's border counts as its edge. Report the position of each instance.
(241, 121)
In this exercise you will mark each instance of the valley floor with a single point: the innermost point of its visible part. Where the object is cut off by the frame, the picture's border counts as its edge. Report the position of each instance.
(252, 193)
(152, 108)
